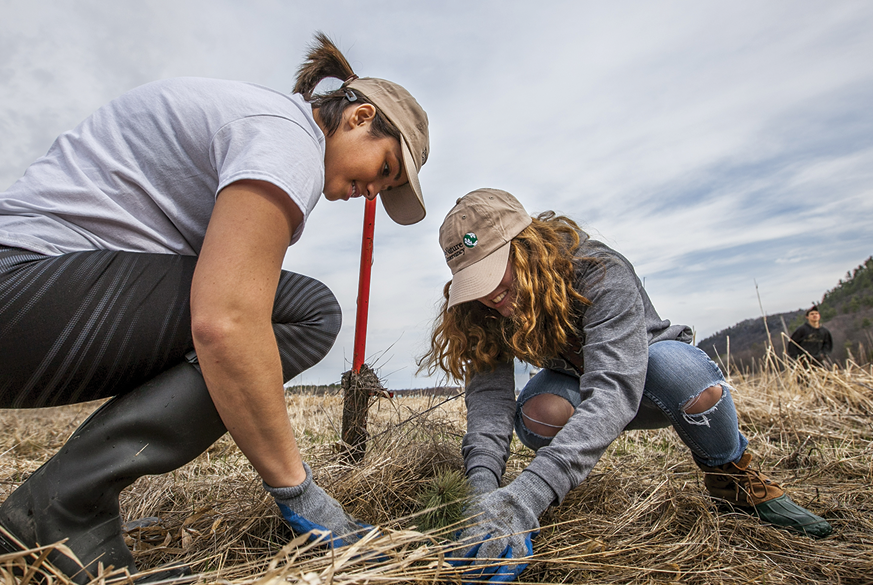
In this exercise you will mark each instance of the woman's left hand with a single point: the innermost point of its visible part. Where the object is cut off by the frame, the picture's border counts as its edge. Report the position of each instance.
(503, 524)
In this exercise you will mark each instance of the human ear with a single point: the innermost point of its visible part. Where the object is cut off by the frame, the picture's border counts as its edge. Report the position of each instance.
(362, 114)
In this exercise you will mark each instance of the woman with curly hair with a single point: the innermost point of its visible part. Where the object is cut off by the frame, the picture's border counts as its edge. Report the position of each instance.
(540, 290)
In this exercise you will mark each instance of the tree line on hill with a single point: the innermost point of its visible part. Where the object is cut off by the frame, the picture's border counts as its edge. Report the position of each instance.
(846, 310)
(328, 389)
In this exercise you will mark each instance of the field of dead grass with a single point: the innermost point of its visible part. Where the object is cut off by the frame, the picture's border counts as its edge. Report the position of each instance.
(641, 517)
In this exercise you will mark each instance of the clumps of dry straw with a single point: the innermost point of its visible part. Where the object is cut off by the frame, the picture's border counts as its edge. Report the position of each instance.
(642, 516)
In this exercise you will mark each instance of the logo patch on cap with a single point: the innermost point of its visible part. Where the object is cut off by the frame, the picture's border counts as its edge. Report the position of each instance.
(470, 240)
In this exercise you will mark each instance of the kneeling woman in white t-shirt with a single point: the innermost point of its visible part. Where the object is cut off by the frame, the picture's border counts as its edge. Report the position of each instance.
(141, 259)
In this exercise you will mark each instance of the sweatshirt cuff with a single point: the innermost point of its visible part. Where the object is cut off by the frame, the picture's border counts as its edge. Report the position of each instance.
(552, 474)
(492, 464)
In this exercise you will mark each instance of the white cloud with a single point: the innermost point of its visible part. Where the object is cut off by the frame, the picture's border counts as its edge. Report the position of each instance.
(712, 144)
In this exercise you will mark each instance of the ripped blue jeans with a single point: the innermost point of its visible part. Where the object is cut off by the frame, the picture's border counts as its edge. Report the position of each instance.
(676, 374)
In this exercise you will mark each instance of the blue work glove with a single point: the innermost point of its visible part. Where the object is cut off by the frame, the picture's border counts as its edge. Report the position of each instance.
(307, 507)
(503, 522)
(482, 481)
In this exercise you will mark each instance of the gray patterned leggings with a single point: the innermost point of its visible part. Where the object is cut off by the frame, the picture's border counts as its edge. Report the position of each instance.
(90, 325)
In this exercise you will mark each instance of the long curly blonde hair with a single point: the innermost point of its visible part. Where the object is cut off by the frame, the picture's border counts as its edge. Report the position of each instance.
(472, 337)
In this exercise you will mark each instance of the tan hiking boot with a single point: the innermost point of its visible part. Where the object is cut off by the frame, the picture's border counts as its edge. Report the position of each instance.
(752, 491)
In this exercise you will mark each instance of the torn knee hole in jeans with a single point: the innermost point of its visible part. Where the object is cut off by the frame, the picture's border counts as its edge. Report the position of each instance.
(549, 428)
(701, 418)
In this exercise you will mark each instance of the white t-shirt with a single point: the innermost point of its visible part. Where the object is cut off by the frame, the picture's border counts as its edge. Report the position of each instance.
(142, 173)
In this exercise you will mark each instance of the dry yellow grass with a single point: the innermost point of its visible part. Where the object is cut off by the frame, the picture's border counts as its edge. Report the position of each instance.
(641, 517)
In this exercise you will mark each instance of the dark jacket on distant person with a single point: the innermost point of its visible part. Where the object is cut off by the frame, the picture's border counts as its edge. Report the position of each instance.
(815, 344)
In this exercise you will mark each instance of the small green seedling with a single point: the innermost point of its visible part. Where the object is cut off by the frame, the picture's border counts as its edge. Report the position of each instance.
(441, 503)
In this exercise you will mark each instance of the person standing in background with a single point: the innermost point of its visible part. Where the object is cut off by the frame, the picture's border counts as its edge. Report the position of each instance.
(811, 344)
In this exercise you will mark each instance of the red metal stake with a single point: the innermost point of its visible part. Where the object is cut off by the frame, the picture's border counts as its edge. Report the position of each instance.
(364, 285)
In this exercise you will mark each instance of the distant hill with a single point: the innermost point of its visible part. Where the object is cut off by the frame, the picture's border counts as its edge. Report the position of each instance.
(846, 311)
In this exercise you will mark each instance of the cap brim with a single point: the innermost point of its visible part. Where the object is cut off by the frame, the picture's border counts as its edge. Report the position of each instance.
(479, 279)
(404, 204)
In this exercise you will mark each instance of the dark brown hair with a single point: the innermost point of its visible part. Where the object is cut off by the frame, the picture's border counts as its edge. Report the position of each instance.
(324, 60)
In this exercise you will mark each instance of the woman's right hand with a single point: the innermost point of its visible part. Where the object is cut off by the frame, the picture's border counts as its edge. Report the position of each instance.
(309, 509)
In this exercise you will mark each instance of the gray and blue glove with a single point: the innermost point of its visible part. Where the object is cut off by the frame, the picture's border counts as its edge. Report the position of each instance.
(503, 523)
(307, 507)
(482, 481)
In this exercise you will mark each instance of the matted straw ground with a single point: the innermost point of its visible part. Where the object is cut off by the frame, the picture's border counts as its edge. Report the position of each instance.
(641, 517)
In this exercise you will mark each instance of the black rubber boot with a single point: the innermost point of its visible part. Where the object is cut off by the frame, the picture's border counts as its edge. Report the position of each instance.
(154, 429)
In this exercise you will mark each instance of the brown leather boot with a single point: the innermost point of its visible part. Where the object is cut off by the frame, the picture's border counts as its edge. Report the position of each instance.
(752, 491)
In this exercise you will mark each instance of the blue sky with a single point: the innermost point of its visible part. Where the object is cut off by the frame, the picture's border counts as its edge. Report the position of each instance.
(714, 144)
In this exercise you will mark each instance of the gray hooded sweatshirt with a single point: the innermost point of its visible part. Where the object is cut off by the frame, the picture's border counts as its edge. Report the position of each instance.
(614, 334)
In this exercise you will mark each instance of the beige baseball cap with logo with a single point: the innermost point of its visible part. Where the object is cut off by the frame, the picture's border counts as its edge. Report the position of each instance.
(404, 204)
(475, 238)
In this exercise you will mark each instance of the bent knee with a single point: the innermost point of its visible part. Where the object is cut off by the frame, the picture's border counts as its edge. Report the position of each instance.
(307, 305)
(546, 414)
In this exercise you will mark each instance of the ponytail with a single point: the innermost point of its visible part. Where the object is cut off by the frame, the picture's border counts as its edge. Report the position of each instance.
(322, 61)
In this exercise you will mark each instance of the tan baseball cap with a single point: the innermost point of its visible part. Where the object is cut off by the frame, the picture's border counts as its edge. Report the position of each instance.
(475, 238)
(404, 204)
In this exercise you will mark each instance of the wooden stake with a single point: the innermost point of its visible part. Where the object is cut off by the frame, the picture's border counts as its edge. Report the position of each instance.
(357, 382)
